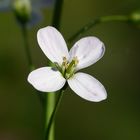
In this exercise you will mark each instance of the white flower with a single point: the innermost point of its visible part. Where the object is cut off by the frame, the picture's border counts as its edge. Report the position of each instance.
(84, 53)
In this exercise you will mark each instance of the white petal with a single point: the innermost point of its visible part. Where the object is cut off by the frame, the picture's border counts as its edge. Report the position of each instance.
(52, 44)
(88, 50)
(87, 87)
(46, 79)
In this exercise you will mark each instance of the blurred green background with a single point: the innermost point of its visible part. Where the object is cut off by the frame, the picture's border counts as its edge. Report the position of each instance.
(117, 118)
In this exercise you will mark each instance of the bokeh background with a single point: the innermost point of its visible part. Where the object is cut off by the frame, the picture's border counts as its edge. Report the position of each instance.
(117, 118)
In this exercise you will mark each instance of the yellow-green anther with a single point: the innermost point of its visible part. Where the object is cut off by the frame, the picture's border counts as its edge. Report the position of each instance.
(64, 59)
(76, 60)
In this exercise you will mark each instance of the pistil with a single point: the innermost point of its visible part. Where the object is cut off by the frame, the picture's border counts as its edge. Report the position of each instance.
(67, 69)
(70, 70)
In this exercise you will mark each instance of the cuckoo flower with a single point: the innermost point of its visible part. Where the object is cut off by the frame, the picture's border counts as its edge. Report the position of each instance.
(84, 53)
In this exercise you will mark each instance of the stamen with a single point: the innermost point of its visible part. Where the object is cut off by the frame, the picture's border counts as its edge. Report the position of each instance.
(65, 62)
(68, 69)
(64, 65)
(71, 68)
(64, 59)
(76, 60)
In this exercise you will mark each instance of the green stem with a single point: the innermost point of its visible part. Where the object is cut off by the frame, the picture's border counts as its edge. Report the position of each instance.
(26, 46)
(50, 97)
(57, 14)
(50, 105)
(29, 59)
(121, 18)
(51, 120)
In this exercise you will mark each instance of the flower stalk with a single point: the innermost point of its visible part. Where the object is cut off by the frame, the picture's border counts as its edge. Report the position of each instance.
(26, 46)
(52, 118)
(57, 14)
(99, 20)
(50, 97)
(50, 105)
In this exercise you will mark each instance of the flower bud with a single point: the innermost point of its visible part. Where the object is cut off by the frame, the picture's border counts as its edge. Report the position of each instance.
(22, 10)
(135, 17)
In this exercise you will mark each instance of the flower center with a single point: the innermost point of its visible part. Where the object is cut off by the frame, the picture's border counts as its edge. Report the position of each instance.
(67, 68)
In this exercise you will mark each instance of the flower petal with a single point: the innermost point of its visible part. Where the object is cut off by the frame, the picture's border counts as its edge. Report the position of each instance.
(46, 79)
(88, 50)
(52, 44)
(87, 87)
